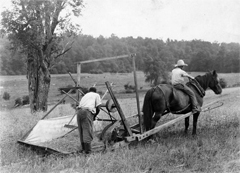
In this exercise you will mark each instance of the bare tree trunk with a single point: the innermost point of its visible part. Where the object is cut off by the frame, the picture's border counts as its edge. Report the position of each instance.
(38, 84)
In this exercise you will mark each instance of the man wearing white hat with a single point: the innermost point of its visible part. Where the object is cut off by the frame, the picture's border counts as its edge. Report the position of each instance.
(178, 75)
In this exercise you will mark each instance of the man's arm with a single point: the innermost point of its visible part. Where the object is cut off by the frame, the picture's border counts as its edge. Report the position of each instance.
(187, 75)
(97, 112)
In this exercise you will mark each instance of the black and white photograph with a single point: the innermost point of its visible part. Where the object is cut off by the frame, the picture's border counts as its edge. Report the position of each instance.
(120, 86)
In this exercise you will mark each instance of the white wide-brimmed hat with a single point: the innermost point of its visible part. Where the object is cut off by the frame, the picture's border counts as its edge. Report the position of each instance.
(180, 63)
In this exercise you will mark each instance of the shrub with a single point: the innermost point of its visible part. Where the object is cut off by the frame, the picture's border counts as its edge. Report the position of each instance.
(223, 83)
(18, 102)
(70, 87)
(236, 85)
(6, 96)
(129, 88)
(67, 89)
(25, 100)
(129, 91)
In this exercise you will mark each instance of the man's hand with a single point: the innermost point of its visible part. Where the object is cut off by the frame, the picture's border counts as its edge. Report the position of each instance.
(191, 77)
(97, 112)
(187, 75)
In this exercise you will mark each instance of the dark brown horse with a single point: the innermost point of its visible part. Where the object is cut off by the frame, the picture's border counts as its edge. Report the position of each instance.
(164, 98)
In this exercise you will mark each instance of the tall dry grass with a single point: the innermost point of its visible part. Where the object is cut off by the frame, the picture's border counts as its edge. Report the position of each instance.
(216, 148)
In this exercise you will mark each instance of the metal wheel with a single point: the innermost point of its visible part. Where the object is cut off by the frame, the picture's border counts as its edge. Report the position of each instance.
(113, 133)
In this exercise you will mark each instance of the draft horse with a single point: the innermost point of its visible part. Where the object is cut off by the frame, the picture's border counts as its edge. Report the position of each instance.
(164, 98)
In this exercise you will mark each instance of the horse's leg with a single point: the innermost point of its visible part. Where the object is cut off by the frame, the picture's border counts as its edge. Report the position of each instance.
(186, 125)
(195, 119)
(155, 119)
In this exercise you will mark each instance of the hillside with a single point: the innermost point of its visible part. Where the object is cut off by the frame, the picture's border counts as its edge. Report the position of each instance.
(200, 55)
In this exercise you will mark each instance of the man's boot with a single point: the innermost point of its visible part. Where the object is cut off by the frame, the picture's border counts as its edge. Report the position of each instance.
(87, 148)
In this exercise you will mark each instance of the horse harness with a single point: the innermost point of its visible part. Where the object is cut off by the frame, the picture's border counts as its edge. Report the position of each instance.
(192, 82)
(197, 86)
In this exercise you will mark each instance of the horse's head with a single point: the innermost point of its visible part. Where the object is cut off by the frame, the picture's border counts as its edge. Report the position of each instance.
(214, 83)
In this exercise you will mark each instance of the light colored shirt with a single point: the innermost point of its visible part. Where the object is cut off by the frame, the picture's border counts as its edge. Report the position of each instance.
(178, 76)
(90, 101)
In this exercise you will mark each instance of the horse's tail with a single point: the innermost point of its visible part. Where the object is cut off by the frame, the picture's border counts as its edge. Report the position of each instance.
(147, 110)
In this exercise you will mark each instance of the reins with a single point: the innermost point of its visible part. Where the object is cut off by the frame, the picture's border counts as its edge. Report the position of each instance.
(197, 86)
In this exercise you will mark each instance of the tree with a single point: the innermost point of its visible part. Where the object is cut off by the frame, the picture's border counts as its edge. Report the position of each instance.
(154, 70)
(38, 29)
(201, 61)
(11, 62)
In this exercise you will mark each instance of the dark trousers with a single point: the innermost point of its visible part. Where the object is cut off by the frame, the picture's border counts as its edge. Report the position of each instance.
(85, 125)
(189, 92)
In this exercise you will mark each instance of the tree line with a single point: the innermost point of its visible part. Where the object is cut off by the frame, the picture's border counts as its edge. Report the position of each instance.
(200, 55)
(40, 38)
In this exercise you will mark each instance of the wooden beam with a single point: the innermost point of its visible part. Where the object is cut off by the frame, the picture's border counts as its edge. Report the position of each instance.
(103, 59)
(93, 60)
(125, 123)
(157, 129)
(137, 95)
(78, 73)
(78, 78)
(70, 96)
(25, 136)
(56, 105)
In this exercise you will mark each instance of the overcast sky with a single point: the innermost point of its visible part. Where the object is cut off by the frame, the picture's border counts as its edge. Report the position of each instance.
(208, 20)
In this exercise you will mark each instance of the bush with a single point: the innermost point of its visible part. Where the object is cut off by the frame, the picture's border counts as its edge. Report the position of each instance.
(70, 87)
(129, 88)
(6, 96)
(236, 85)
(223, 83)
(67, 89)
(25, 100)
(18, 102)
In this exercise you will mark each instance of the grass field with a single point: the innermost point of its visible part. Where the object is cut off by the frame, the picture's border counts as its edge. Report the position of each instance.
(216, 148)
(16, 86)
